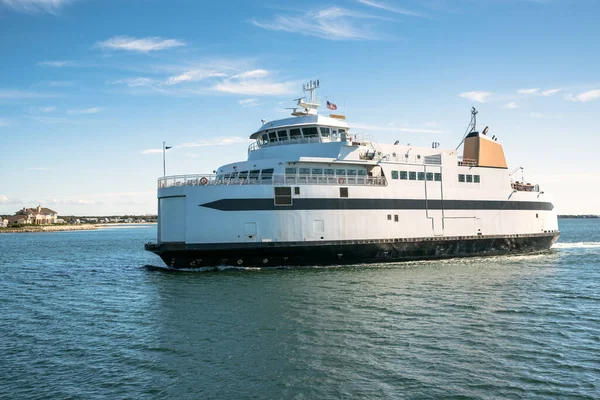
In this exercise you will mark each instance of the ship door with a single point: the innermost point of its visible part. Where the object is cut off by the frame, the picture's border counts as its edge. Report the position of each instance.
(250, 231)
(434, 199)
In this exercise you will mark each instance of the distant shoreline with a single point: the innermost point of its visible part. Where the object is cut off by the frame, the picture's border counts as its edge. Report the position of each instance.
(67, 228)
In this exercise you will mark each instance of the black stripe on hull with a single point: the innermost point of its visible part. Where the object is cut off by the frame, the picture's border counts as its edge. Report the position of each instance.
(347, 252)
(376, 204)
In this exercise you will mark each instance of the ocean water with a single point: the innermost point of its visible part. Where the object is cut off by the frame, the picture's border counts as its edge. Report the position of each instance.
(82, 318)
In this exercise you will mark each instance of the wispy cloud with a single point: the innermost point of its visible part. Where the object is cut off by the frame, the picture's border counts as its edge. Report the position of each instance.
(478, 96)
(388, 128)
(60, 83)
(333, 23)
(142, 45)
(47, 109)
(22, 94)
(193, 76)
(542, 115)
(59, 201)
(528, 91)
(551, 92)
(220, 141)
(4, 122)
(512, 104)
(395, 10)
(56, 64)
(92, 110)
(585, 96)
(254, 83)
(248, 102)
(9, 200)
(49, 120)
(34, 6)
(38, 169)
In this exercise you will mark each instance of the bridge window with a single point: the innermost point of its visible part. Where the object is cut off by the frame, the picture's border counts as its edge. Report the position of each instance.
(340, 172)
(394, 174)
(283, 136)
(272, 137)
(421, 176)
(430, 176)
(476, 179)
(324, 132)
(290, 171)
(461, 177)
(310, 132)
(469, 178)
(412, 175)
(330, 171)
(254, 174)
(351, 173)
(283, 196)
(265, 138)
(317, 171)
(243, 175)
(295, 134)
(403, 175)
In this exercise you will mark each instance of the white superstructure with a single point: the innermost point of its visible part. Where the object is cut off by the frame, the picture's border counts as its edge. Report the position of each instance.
(314, 191)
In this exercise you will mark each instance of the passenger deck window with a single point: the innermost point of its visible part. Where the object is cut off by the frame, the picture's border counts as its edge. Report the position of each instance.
(290, 171)
(403, 175)
(340, 172)
(304, 171)
(430, 176)
(329, 171)
(421, 176)
(394, 174)
(351, 172)
(310, 132)
(243, 175)
(469, 178)
(295, 134)
(438, 177)
(266, 174)
(476, 179)
(412, 176)
(362, 172)
(254, 174)
(317, 171)
(461, 177)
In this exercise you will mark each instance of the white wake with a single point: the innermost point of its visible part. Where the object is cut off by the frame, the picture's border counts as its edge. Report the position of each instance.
(576, 245)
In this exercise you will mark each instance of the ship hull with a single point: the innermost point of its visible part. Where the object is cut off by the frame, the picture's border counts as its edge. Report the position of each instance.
(279, 254)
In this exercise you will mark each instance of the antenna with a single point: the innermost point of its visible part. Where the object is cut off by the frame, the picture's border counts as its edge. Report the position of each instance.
(312, 86)
(472, 125)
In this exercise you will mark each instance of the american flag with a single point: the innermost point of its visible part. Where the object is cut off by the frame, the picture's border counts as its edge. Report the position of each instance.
(331, 106)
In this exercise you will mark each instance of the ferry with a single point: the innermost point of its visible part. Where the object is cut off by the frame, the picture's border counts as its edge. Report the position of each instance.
(314, 192)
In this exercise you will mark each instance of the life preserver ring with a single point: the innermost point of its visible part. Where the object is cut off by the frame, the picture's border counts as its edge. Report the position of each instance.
(203, 180)
(341, 181)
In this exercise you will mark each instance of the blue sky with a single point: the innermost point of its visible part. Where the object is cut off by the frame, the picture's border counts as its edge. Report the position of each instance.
(89, 89)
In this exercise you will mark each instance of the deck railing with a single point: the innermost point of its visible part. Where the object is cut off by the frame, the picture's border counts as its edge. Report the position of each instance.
(272, 179)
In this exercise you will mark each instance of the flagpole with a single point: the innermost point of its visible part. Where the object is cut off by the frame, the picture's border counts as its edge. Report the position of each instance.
(164, 162)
